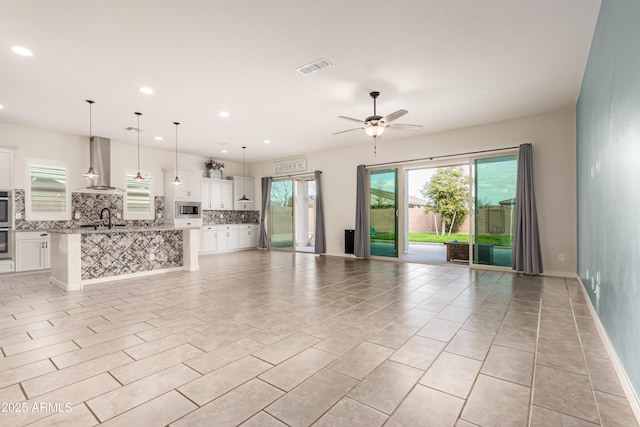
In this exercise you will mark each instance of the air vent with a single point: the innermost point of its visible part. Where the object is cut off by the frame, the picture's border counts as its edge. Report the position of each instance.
(316, 65)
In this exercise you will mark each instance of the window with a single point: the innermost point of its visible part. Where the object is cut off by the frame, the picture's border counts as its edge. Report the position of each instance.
(47, 196)
(139, 199)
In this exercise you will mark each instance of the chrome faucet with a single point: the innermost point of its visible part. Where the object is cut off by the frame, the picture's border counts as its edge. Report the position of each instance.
(109, 214)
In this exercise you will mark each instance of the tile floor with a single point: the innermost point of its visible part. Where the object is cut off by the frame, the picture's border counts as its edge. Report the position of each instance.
(280, 339)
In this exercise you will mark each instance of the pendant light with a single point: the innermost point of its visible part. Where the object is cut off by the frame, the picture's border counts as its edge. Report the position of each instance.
(138, 177)
(244, 197)
(90, 173)
(176, 181)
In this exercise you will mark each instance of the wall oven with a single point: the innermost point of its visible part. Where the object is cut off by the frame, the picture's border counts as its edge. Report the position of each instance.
(6, 243)
(5, 209)
(188, 210)
(6, 233)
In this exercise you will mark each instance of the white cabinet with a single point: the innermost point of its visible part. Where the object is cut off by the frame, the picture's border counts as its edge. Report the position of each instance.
(208, 242)
(32, 251)
(6, 168)
(217, 194)
(190, 189)
(244, 186)
(248, 236)
(228, 237)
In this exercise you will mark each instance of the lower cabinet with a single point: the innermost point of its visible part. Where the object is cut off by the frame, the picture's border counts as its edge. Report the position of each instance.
(227, 237)
(32, 251)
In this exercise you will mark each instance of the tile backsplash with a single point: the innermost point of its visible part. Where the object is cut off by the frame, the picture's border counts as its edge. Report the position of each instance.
(89, 205)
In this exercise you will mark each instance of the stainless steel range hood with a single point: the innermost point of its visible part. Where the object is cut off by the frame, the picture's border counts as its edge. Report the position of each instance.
(101, 161)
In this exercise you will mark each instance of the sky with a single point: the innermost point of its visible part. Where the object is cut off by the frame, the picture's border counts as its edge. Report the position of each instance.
(497, 180)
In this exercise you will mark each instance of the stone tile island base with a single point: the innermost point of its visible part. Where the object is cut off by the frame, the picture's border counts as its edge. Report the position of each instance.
(82, 257)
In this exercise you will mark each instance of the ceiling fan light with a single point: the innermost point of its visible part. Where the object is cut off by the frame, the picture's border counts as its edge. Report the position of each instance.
(375, 130)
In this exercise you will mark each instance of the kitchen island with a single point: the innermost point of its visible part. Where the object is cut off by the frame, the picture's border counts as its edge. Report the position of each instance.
(83, 256)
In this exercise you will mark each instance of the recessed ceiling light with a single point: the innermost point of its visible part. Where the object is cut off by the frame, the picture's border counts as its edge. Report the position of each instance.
(225, 151)
(21, 51)
(159, 138)
(266, 141)
(146, 90)
(1, 107)
(224, 114)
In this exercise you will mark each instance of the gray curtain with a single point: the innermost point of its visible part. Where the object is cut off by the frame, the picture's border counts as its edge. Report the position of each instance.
(321, 241)
(361, 240)
(526, 241)
(263, 242)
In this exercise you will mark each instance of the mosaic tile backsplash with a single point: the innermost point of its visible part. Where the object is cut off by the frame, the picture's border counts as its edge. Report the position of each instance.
(114, 254)
(89, 205)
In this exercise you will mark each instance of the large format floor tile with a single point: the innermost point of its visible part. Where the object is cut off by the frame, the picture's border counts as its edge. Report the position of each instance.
(278, 339)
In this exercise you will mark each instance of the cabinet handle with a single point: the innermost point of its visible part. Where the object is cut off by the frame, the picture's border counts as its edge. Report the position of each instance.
(41, 245)
(44, 235)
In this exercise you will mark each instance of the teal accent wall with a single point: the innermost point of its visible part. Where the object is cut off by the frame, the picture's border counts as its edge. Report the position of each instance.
(608, 163)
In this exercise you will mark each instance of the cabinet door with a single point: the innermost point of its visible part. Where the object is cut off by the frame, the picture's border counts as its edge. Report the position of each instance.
(226, 195)
(253, 237)
(206, 189)
(233, 238)
(215, 195)
(6, 170)
(209, 243)
(30, 254)
(193, 185)
(180, 191)
(221, 238)
(46, 254)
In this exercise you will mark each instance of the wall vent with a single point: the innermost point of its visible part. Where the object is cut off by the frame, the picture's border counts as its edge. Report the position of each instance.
(314, 66)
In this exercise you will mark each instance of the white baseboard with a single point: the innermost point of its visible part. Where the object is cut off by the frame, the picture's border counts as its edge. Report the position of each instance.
(632, 397)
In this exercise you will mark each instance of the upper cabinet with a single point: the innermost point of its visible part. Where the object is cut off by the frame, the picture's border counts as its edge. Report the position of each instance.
(243, 186)
(217, 194)
(6, 168)
(190, 189)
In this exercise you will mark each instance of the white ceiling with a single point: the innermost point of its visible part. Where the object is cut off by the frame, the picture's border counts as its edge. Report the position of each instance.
(451, 63)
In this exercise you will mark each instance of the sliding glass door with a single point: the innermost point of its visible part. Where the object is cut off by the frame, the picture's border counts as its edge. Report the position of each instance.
(494, 207)
(292, 214)
(383, 213)
(281, 215)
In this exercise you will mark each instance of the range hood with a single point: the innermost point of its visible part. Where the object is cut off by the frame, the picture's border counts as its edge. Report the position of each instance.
(101, 161)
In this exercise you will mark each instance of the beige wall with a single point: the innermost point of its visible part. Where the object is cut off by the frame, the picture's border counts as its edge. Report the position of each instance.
(552, 134)
(421, 222)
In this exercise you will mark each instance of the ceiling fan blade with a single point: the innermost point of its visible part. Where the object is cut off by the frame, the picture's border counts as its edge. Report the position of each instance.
(351, 118)
(348, 130)
(391, 117)
(404, 126)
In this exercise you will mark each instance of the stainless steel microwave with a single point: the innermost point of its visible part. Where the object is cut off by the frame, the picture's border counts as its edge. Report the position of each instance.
(5, 209)
(188, 210)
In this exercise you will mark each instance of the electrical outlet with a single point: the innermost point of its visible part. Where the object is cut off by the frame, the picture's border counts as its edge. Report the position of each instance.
(118, 215)
(159, 215)
(561, 257)
(221, 215)
(77, 215)
(18, 215)
(152, 256)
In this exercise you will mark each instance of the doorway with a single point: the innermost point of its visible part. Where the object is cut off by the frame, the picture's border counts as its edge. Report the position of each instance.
(383, 213)
(292, 214)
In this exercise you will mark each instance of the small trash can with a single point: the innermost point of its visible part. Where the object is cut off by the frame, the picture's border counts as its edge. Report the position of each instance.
(349, 237)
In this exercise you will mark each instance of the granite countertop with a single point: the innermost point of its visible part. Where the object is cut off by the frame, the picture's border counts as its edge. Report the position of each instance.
(114, 229)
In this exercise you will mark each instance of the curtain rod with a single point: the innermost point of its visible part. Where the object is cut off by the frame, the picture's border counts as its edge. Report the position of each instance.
(442, 156)
(296, 174)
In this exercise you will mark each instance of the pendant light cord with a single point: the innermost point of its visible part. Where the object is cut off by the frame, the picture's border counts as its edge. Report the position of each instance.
(138, 114)
(176, 123)
(90, 136)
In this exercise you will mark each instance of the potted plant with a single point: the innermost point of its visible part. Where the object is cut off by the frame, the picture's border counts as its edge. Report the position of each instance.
(215, 168)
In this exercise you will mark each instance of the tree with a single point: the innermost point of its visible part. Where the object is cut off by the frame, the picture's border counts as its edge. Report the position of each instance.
(448, 191)
(281, 192)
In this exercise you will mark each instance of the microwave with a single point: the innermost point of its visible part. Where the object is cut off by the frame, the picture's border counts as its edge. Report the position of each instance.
(5, 209)
(188, 210)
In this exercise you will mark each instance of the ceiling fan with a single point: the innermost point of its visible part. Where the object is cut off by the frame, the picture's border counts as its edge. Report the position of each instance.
(375, 125)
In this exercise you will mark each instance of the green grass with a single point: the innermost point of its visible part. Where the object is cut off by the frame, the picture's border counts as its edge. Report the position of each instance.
(495, 239)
